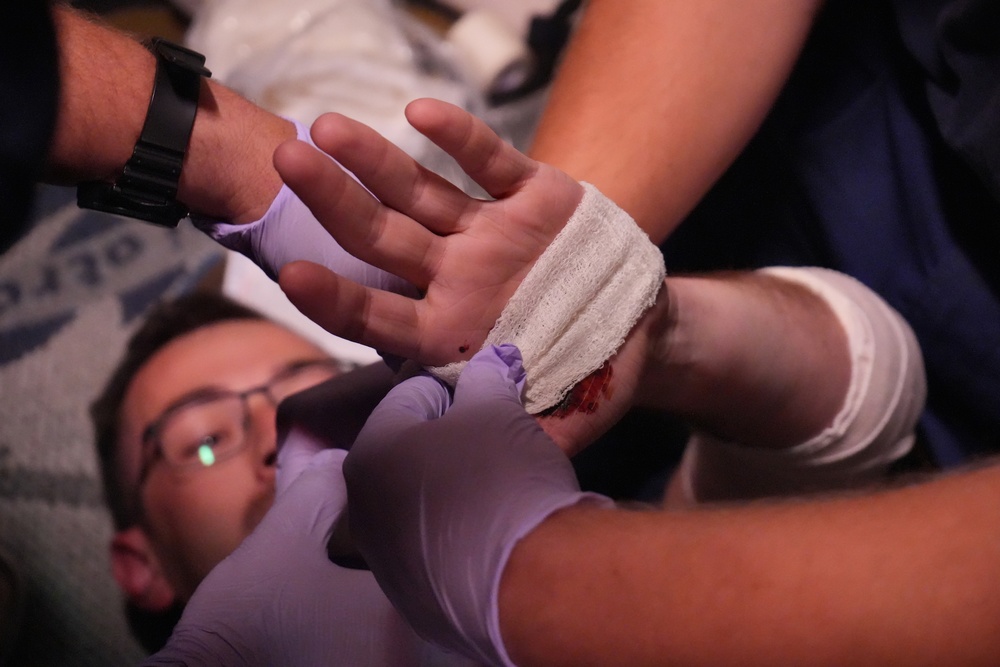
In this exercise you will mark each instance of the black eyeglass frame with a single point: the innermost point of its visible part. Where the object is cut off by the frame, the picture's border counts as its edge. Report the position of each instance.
(152, 447)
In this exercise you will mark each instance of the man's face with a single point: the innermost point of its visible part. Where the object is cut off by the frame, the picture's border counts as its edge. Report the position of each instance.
(195, 516)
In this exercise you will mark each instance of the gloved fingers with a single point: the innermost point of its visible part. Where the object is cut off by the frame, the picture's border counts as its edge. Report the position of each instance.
(382, 451)
(360, 223)
(419, 399)
(334, 411)
(392, 175)
(312, 502)
(491, 162)
(495, 373)
(385, 321)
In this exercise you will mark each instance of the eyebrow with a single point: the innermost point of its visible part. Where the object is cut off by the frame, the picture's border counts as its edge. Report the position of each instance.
(211, 391)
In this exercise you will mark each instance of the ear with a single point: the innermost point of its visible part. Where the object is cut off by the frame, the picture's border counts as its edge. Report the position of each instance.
(137, 570)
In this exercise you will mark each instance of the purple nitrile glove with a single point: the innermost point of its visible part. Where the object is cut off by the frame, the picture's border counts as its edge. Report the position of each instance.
(289, 232)
(330, 414)
(279, 600)
(441, 490)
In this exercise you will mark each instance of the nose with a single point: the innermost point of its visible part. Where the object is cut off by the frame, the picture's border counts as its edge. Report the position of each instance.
(261, 431)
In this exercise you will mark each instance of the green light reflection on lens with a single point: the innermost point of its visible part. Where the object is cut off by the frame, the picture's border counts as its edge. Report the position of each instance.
(206, 455)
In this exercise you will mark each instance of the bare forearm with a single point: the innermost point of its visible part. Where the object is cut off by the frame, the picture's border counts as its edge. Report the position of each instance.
(900, 578)
(106, 79)
(743, 356)
(748, 357)
(655, 98)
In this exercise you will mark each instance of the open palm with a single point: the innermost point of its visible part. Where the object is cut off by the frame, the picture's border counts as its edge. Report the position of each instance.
(466, 255)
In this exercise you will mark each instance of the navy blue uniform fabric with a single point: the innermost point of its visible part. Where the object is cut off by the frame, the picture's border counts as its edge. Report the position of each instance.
(29, 82)
(880, 159)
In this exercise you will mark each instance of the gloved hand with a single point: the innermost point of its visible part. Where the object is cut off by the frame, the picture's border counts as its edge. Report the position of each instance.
(278, 600)
(289, 232)
(332, 412)
(441, 491)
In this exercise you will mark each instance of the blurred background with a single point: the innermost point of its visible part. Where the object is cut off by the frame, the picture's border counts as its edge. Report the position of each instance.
(75, 287)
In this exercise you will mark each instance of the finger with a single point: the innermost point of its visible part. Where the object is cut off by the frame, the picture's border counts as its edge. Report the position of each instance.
(418, 399)
(387, 322)
(360, 223)
(313, 501)
(491, 162)
(414, 401)
(296, 449)
(495, 373)
(393, 324)
(392, 175)
(335, 410)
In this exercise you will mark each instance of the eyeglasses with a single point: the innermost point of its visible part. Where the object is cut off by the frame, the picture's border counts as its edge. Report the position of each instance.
(212, 425)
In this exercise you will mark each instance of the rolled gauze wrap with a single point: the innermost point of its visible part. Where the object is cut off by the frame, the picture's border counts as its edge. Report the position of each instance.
(578, 302)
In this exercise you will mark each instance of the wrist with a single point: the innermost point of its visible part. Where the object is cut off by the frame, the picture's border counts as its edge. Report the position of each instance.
(228, 172)
(600, 400)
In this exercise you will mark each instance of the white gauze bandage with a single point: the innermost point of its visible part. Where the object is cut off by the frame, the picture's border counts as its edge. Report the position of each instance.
(578, 302)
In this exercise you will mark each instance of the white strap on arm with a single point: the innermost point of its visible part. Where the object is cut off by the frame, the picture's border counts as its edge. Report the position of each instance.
(875, 426)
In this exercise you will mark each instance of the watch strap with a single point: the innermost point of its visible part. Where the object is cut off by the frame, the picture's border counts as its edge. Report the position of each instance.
(147, 186)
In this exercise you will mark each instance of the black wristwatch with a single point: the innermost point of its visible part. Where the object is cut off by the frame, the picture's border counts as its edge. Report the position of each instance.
(147, 187)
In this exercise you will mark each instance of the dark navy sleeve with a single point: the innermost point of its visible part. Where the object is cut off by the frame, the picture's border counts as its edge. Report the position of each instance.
(29, 90)
(879, 159)
(957, 43)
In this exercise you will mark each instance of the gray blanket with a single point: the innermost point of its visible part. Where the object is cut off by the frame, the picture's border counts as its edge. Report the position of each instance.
(71, 292)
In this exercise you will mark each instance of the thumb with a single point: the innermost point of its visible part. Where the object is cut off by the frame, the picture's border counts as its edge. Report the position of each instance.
(418, 399)
(296, 449)
(313, 501)
(495, 373)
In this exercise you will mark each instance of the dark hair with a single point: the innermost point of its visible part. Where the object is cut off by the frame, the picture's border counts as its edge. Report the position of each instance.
(167, 321)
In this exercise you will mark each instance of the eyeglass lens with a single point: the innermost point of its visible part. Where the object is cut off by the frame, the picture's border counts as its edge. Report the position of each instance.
(212, 429)
(204, 433)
